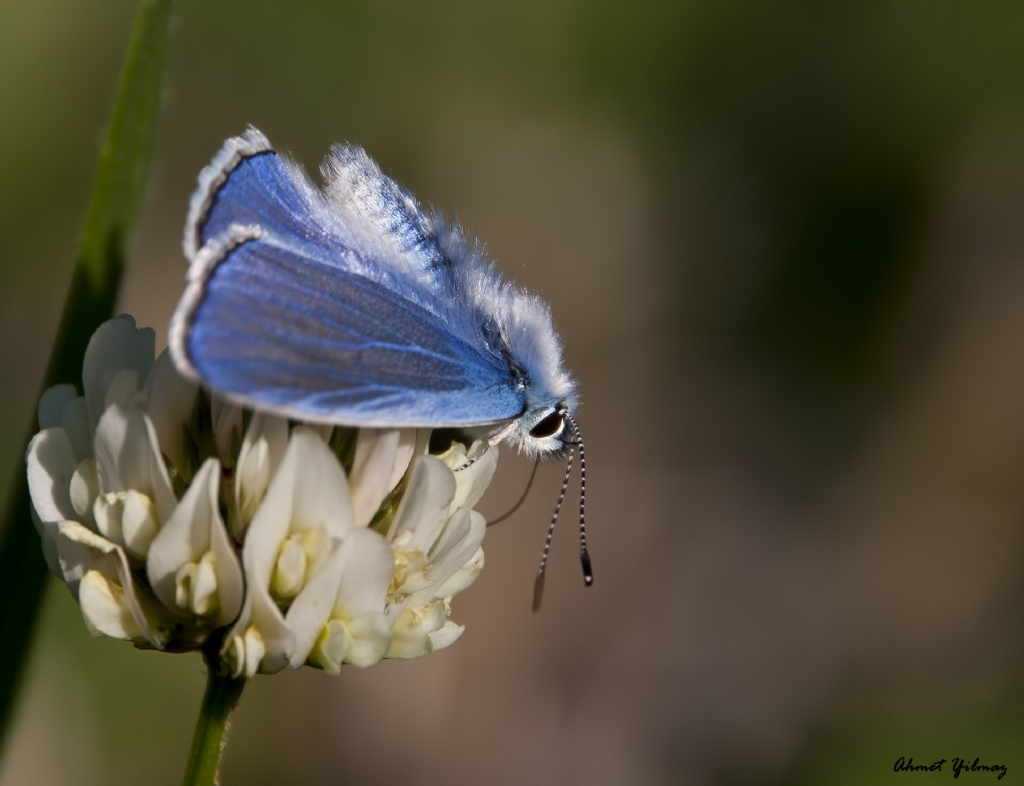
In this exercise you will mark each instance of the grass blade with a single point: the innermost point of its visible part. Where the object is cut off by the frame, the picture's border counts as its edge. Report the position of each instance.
(113, 211)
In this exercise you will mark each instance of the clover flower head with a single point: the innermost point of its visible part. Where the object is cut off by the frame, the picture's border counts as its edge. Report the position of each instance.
(179, 520)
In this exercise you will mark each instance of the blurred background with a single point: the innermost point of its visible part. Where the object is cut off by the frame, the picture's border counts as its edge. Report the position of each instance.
(783, 245)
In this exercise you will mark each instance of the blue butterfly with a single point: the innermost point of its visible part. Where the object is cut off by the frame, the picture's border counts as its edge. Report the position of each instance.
(352, 305)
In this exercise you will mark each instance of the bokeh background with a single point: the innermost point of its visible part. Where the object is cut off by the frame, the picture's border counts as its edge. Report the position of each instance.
(783, 243)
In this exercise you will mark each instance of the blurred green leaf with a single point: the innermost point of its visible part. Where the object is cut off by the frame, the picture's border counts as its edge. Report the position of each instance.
(862, 740)
(113, 211)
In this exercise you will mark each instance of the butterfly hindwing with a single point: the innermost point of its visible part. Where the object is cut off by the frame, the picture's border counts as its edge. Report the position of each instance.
(276, 320)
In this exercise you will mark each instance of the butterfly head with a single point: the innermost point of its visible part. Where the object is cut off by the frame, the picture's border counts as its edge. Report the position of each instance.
(557, 434)
(548, 432)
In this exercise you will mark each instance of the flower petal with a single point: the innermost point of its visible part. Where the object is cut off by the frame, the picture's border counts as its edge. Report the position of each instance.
(116, 345)
(172, 398)
(369, 639)
(266, 641)
(424, 508)
(194, 530)
(463, 577)
(52, 404)
(123, 388)
(472, 482)
(227, 428)
(352, 585)
(307, 492)
(106, 609)
(410, 636)
(50, 465)
(138, 523)
(262, 450)
(75, 421)
(329, 651)
(320, 492)
(230, 581)
(458, 543)
(270, 525)
(128, 458)
(82, 552)
(445, 636)
(409, 441)
(372, 468)
(367, 566)
(85, 487)
(362, 641)
(312, 608)
(143, 350)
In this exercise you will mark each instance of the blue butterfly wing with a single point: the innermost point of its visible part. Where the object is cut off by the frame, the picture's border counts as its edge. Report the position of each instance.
(328, 306)
(247, 183)
(383, 232)
(281, 323)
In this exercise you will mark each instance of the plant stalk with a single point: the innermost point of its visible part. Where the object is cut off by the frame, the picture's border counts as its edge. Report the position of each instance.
(211, 735)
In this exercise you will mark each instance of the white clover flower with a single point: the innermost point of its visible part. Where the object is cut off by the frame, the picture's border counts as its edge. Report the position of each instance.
(192, 564)
(180, 521)
(436, 538)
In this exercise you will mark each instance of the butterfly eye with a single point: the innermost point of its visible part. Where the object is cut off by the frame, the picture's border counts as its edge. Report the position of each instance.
(551, 426)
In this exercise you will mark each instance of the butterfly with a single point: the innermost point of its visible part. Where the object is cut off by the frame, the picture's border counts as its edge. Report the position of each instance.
(350, 304)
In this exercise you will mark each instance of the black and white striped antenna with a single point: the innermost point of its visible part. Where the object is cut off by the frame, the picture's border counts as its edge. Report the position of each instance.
(588, 574)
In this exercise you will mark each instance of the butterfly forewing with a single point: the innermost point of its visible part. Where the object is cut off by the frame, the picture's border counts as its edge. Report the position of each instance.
(281, 324)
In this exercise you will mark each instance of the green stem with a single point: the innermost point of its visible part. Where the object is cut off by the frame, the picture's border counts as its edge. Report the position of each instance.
(219, 701)
(113, 211)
